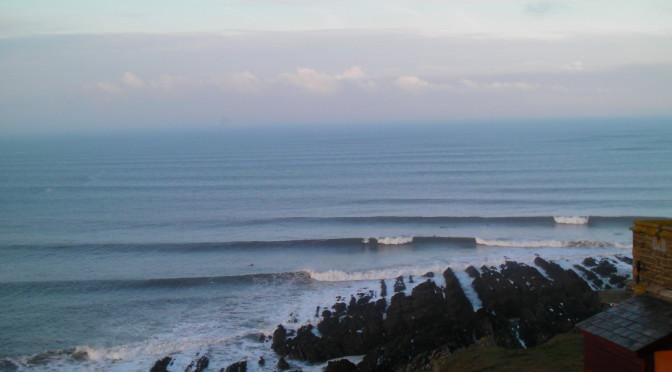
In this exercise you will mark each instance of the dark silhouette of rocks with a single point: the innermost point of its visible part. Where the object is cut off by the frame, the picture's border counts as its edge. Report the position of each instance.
(342, 365)
(161, 365)
(237, 367)
(399, 285)
(198, 365)
(282, 364)
(521, 307)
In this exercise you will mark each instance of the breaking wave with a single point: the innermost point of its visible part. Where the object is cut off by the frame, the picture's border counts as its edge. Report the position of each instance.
(342, 276)
(547, 243)
(571, 220)
(400, 240)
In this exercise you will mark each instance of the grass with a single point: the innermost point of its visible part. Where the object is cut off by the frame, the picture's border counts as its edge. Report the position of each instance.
(562, 353)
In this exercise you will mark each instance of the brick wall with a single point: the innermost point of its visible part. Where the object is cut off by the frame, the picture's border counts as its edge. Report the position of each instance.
(652, 254)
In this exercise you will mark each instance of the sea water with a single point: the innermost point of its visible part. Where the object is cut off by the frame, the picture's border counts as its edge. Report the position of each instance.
(119, 249)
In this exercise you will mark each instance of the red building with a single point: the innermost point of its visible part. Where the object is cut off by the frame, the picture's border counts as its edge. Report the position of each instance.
(636, 335)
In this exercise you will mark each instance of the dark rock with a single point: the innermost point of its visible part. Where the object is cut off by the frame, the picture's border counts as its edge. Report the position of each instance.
(342, 365)
(282, 364)
(201, 363)
(279, 344)
(339, 307)
(473, 272)
(410, 279)
(237, 367)
(428, 274)
(161, 365)
(383, 288)
(604, 268)
(625, 259)
(589, 261)
(618, 280)
(262, 361)
(590, 275)
(317, 312)
(457, 303)
(8, 366)
(521, 308)
(399, 285)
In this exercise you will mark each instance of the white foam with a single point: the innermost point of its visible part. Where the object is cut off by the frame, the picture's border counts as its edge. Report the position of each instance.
(546, 243)
(342, 276)
(399, 240)
(571, 220)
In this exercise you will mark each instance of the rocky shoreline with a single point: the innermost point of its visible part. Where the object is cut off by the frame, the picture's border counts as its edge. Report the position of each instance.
(522, 305)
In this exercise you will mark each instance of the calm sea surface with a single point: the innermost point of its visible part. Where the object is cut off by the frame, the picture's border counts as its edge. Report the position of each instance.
(118, 250)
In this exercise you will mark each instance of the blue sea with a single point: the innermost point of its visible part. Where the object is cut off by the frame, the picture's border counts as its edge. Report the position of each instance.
(119, 249)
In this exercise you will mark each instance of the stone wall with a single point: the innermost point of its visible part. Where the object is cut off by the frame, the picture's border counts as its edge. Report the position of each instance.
(652, 257)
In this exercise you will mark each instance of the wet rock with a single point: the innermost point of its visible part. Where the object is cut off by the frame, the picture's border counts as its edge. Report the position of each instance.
(237, 367)
(618, 280)
(282, 364)
(590, 275)
(262, 361)
(472, 272)
(161, 365)
(339, 307)
(410, 279)
(383, 288)
(399, 285)
(279, 344)
(342, 365)
(604, 268)
(428, 275)
(625, 259)
(198, 365)
(589, 261)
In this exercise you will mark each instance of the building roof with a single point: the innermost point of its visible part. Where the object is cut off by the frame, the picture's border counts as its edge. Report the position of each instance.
(633, 324)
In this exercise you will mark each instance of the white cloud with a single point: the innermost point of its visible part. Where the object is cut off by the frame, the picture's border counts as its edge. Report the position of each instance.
(246, 82)
(311, 81)
(108, 87)
(357, 75)
(496, 85)
(132, 80)
(353, 73)
(575, 66)
(413, 84)
(170, 83)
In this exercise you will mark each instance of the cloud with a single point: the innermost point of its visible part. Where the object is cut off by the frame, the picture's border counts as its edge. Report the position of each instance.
(311, 81)
(132, 80)
(575, 66)
(357, 75)
(413, 84)
(109, 87)
(496, 85)
(170, 83)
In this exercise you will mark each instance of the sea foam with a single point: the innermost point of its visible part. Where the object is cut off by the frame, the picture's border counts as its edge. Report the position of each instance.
(546, 243)
(571, 220)
(399, 240)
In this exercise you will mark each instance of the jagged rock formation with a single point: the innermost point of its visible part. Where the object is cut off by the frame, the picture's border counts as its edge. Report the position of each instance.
(521, 307)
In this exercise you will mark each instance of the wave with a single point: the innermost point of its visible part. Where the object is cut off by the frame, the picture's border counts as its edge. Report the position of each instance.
(547, 243)
(401, 240)
(83, 286)
(517, 220)
(342, 276)
(575, 220)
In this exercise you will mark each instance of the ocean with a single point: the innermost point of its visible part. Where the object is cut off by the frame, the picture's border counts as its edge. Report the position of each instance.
(119, 249)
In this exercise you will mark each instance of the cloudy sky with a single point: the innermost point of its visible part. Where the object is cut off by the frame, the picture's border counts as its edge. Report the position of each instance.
(73, 65)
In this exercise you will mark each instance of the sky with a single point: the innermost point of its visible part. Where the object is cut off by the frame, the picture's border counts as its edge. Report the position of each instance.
(81, 65)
